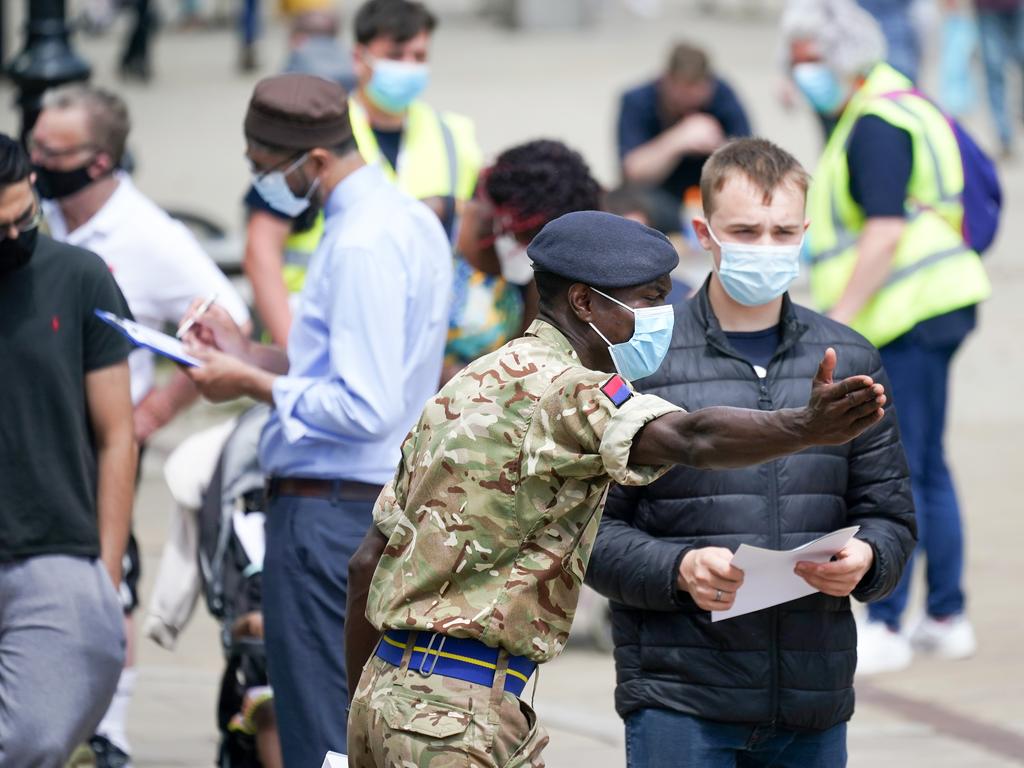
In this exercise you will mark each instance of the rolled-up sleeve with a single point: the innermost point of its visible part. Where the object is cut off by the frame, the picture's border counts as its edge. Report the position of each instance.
(359, 393)
(582, 432)
(617, 440)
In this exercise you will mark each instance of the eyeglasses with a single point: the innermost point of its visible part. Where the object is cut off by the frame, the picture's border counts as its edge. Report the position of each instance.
(24, 223)
(281, 166)
(38, 150)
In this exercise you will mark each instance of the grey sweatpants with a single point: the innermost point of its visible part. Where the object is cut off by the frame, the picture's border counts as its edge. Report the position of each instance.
(61, 651)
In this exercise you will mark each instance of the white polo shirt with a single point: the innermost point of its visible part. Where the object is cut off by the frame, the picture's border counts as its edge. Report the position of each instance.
(157, 262)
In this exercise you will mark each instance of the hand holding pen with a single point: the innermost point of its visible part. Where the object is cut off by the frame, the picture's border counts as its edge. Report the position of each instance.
(194, 314)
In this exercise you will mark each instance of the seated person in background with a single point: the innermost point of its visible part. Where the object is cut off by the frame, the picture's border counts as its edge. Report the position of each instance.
(669, 126)
(494, 295)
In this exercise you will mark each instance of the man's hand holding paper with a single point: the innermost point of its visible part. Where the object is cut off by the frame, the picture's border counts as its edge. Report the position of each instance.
(771, 577)
(840, 576)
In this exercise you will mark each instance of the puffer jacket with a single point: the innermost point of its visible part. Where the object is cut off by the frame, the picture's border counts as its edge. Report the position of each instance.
(793, 664)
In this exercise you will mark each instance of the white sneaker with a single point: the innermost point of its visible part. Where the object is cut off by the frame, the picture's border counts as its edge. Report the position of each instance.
(879, 649)
(949, 638)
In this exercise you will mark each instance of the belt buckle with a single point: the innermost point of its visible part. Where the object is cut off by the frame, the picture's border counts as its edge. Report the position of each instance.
(428, 650)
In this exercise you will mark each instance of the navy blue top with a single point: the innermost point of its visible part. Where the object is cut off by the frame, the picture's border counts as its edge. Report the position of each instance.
(389, 142)
(640, 120)
(880, 159)
(757, 347)
(254, 202)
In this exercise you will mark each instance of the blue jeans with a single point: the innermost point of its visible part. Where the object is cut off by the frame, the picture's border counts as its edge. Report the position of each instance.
(662, 738)
(249, 23)
(919, 375)
(901, 38)
(1002, 41)
(305, 586)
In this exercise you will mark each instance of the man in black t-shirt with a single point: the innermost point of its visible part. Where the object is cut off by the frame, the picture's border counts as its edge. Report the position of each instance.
(67, 467)
(668, 127)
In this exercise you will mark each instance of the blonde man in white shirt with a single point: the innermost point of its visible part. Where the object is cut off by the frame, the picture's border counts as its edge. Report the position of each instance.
(76, 148)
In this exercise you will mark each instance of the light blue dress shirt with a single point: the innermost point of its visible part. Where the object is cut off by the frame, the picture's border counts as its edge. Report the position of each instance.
(367, 340)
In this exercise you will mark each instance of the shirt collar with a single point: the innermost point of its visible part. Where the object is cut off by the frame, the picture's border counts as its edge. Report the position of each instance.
(548, 333)
(105, 220)
(352, 188)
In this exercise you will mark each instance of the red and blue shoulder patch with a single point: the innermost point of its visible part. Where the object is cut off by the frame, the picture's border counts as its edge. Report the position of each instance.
(616, 390)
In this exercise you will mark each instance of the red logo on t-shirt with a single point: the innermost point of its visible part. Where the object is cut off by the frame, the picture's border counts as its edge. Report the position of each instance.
(55, 323)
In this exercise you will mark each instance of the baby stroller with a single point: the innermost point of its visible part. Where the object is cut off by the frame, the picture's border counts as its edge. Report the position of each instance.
(231, 547)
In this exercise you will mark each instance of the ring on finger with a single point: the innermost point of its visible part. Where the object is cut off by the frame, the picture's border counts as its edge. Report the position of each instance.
(718, 595)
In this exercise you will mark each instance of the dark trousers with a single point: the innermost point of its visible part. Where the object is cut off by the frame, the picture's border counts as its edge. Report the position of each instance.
(305, 585)
(663, 738)
(249, 21)
(919, 374)
(136, 48)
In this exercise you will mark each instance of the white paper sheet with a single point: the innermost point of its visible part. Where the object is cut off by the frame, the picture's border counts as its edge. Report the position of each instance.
(141, 336)
(768, 577)
(250, 531)
(334, 760)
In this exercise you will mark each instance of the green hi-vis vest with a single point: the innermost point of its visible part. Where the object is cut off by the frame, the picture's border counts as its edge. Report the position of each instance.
(439, 157)
(933, 271)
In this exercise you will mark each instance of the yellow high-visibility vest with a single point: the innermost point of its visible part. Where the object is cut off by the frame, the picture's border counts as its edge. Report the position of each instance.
(438, 157)
(933, 271)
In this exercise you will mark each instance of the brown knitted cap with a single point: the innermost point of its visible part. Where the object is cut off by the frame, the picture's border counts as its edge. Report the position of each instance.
(298, 112)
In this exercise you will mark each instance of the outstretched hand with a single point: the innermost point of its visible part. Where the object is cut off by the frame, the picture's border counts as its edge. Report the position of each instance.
(839, 412)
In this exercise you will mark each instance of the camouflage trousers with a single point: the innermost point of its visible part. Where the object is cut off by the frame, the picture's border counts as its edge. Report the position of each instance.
(400, 719)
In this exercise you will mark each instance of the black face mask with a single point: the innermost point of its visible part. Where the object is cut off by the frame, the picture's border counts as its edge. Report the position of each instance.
(54, 185)
(14, 254)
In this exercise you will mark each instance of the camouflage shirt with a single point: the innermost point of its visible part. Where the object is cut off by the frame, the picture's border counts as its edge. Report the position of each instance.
(492, 514)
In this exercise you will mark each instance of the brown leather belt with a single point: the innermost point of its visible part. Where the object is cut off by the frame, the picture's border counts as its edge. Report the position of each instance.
(316, 488)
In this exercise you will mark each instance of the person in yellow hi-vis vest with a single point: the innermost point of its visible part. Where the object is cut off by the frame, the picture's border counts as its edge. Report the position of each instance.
(429, 154)
(888, 257)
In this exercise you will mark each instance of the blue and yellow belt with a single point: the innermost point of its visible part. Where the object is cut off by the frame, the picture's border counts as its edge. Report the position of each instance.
(458, 657)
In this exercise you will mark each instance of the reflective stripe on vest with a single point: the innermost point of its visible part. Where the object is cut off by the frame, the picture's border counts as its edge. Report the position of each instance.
(298, 250)
(933, 271)
(416, 173)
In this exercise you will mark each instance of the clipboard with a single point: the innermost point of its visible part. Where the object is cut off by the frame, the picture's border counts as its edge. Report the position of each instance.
(158, 342)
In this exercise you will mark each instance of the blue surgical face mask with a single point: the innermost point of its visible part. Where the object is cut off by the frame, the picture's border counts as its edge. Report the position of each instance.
(394, 85)
(273, 188)
(755, 274)
(652, 331)
(821, 86)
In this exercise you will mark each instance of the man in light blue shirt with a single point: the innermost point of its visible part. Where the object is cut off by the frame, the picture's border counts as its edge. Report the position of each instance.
(364, 355)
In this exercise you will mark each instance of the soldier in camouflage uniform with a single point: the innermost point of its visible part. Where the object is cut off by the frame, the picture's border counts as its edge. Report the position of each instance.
(482, 538)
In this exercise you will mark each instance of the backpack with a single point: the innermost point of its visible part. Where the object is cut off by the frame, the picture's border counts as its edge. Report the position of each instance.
(982, 196)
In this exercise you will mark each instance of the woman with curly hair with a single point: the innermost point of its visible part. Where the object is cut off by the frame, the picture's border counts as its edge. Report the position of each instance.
(494, 297)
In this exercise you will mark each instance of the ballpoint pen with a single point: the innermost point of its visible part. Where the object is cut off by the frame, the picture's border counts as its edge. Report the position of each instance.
(195, 316)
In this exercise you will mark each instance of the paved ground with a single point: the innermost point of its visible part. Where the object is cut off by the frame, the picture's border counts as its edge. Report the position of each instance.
(188, 141)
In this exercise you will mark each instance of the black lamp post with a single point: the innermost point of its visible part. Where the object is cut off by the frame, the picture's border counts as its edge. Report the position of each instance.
(46, 61)
(3, 38)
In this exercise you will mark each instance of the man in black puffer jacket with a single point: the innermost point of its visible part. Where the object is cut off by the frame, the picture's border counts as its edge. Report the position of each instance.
(774, 687)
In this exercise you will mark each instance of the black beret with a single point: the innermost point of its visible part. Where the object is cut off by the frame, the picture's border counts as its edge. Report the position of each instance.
(602, 250)
(298, 111)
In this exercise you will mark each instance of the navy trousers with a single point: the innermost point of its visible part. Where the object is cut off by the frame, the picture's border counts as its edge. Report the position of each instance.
(305, 586)
(919, 373)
